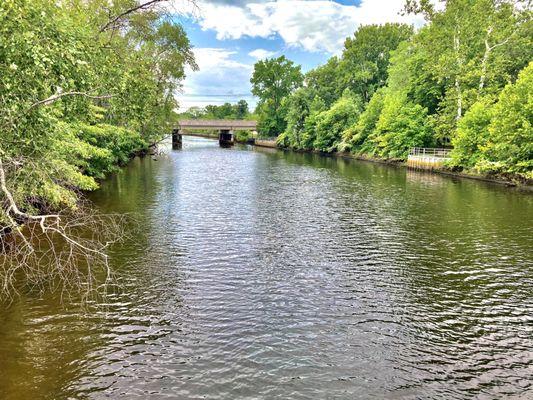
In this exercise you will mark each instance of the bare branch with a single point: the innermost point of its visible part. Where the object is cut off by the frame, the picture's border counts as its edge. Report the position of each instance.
(57, 248)
(141, 6)
(41, 219)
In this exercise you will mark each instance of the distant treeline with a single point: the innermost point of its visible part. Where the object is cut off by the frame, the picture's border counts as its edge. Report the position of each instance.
(464, 80)
(239, 110)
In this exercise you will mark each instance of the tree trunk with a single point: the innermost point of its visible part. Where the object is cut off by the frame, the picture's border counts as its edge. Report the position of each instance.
(484, 61)
(456, 46)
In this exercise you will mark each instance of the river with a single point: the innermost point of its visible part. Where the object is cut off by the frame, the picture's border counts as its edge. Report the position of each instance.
(258, 274)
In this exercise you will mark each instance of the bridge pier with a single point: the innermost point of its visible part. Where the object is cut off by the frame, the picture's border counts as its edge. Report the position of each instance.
(226, 137)
(177, 139)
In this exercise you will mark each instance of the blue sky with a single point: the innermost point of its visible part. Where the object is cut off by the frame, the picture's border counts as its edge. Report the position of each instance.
(230, 36)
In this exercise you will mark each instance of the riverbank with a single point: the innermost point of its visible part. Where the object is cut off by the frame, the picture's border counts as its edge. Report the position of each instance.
(498, 180)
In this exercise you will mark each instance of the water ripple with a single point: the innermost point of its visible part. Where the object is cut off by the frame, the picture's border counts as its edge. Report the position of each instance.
(261, 274)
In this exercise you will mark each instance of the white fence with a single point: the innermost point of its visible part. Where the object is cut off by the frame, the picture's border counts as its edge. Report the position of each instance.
(427, 158)
(429, 152)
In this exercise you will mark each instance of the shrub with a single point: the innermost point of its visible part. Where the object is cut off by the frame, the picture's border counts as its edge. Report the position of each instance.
(472, 135)
(331, 124)
(243, 136)
(401, 126)
(111, 147)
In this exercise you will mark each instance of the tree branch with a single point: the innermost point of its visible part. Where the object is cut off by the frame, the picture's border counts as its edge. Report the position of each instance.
(41, 219)
(56, 97)
(41, 255)
(127, 12)
(485, 59)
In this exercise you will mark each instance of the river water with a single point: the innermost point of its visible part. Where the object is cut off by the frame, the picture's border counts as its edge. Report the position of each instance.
(259, 274)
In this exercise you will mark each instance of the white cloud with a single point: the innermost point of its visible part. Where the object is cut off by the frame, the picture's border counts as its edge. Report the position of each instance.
(208, 57)
(315, 25)
(261, 54)
(220, 78)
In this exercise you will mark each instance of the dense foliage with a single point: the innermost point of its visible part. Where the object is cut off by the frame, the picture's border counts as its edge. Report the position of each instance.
(82, 87)
(498, 137)
(272, 81)
(462, 80)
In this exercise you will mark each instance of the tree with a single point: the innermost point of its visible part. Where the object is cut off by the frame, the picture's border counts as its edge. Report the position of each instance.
(392, 122)
(325, 81)
(402, 125)
(510, 145)
(272, 80)
(365, 59)
(299, 107)
(471, 48)
(472, 134)
(224, 111)
(194, 113)
(241, 109)
(332, 123)
(83, 86)
(355, 137)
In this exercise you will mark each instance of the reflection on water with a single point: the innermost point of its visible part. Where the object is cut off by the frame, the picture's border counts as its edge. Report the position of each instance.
(265, 274)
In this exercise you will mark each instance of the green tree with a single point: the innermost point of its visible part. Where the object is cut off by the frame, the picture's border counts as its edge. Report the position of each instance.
(510, 145)
(402, 125)
(213, 111)
(299, 107)
(365, 59)
(472, 134)
(355, 137)
(224, 111)
(392, 122)
(331, 124)
(471, 48)
(241, 109)
(273, 80)
(325, 81)
(309, 134)
(83, 86)
(193, 113)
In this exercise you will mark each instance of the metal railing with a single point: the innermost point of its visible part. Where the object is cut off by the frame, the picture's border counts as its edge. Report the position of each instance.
(430, 152)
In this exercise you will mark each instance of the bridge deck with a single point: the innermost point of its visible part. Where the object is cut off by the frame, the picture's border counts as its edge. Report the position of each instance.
(217, 124)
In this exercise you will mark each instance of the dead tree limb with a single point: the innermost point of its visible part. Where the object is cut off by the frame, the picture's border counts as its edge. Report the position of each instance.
(50, 246)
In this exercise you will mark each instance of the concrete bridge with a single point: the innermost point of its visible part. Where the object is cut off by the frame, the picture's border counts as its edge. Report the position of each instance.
(226, 129)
